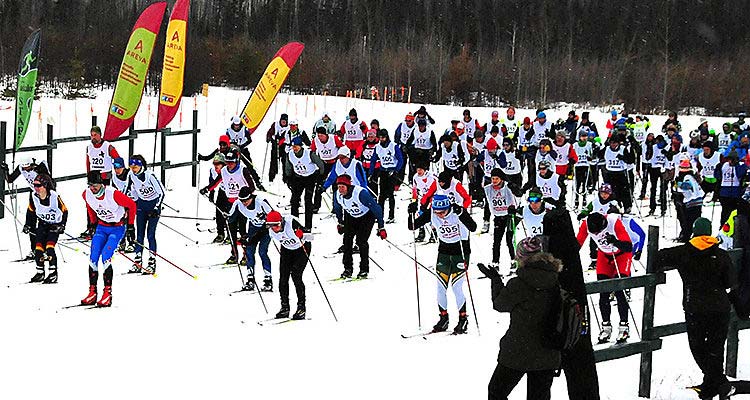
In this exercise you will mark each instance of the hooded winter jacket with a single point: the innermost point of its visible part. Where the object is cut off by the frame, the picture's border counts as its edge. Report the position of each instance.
(706, 271)
(528, 298)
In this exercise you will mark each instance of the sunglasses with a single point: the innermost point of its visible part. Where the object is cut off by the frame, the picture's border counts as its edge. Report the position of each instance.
(37, 185)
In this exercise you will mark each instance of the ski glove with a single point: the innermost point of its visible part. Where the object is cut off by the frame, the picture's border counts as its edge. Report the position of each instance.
(412, 207)
(204, 191)
(340, 229)
(57, 228)
(457, 209)
(155, 213)
(26, 229)
(382, 233)
(130, 233)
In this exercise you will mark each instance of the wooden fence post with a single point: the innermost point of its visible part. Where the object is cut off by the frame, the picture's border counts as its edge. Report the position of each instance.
(3, 138)
(93, 120)
(649, 303)
(131, 142)
(733, 337)
(50, 129)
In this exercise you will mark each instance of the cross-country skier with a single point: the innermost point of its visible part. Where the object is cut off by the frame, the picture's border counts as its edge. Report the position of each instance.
(29, 169)
(353, 131)
(99, 156)
(549, 183)
(455, 156)
(326, 122)
(584, 177)
(302, 169)
(356, 211)
(448, 185)
(254, 207)
(326, 146)
(502, 204)
(731, 174)
(120, 182)
(688, 199)
(647, 155)
(421, 145)
(708, 160)
(401, 136)
(532, 215)
(47, 207)
(565, 160)
(149, 197)
(725, 138)
(616, 156)
(365, 156)
(659, 173)
(222, 149)
(453, 225)
(276, 133)
(603, 202)
(386, 165)
(113, 215)
(293, 257)
(421, 183)
(613, 261)
(219, 198)
(510, 124)
(240, 136)
(233, 177)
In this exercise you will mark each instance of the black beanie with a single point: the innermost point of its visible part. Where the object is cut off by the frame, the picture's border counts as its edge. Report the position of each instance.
(284, 117)
(596, 222)
(352, 113)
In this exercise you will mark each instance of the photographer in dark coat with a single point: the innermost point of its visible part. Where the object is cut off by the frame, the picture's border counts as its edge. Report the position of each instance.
(706, 272)
(578, 363)
(528, 298)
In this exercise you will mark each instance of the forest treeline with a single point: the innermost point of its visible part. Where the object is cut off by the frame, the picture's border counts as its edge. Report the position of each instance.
(650, 55)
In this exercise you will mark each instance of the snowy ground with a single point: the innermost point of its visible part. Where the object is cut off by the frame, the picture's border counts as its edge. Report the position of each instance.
(182, 338)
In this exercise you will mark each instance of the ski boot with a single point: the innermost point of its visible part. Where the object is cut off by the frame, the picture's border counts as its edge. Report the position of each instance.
(284, 312)
(244, 260)
(85, 235)
(267, 285)
(623, 332)
(249, 285)
(463, 324)
(346, 275)
(90, 299)
(486, 227)
(390, 220)
(231, 260)
(150, 269)
(592, 266)
(218, 239)
(106, 299)
(121, 246)
(137, 265)
(442, 324)
(726, 390)
(129, 248)
(52, 277)
(29, 257)
(362, 275)
(433, 235)
(38, 277)
(606, 332)
(300, 313)
(420, 236)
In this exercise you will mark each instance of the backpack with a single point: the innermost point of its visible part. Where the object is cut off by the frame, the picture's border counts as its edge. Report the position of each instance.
(565, 322)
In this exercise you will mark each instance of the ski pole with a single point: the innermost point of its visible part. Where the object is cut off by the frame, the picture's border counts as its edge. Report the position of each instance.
(165, 259)
(197, 197)
(137, 264)
(468, 285)
(190, 218)
(178, 232)
(410, 257)
(15, 221)
(596, 316)
(265, 159)
(236, 255)
(416, 280)
(170, 207)
(375, 262)
(318, 279)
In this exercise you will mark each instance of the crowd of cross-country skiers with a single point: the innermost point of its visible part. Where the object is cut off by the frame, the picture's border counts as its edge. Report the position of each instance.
(516, 170)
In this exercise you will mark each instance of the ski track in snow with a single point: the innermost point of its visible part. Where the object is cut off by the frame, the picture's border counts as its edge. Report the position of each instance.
(172, 336)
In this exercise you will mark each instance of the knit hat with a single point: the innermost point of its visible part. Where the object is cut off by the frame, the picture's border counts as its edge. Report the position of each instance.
(383, 133)
(284, 117)
(498, 173)
(232, 156)
(702, 227)
(344, 152)
(409, 117)
(245, 193)
(585, 115)
(440, 202)
(422, 121)
(344, 180)
(321, 129)
(605, 188)
(236, 120)
(297, 141)
(541, 115)
(685, 165)
(596, 222)
(352, 113)
(118, 163)
(535, 193)
(94, 177)
(219, 159)
(527, 120)
(224, 139)
(528, 247)
(273, 218)
(445, 176)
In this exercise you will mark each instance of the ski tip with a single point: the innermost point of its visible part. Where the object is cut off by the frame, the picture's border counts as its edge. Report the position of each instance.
(155, 275)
